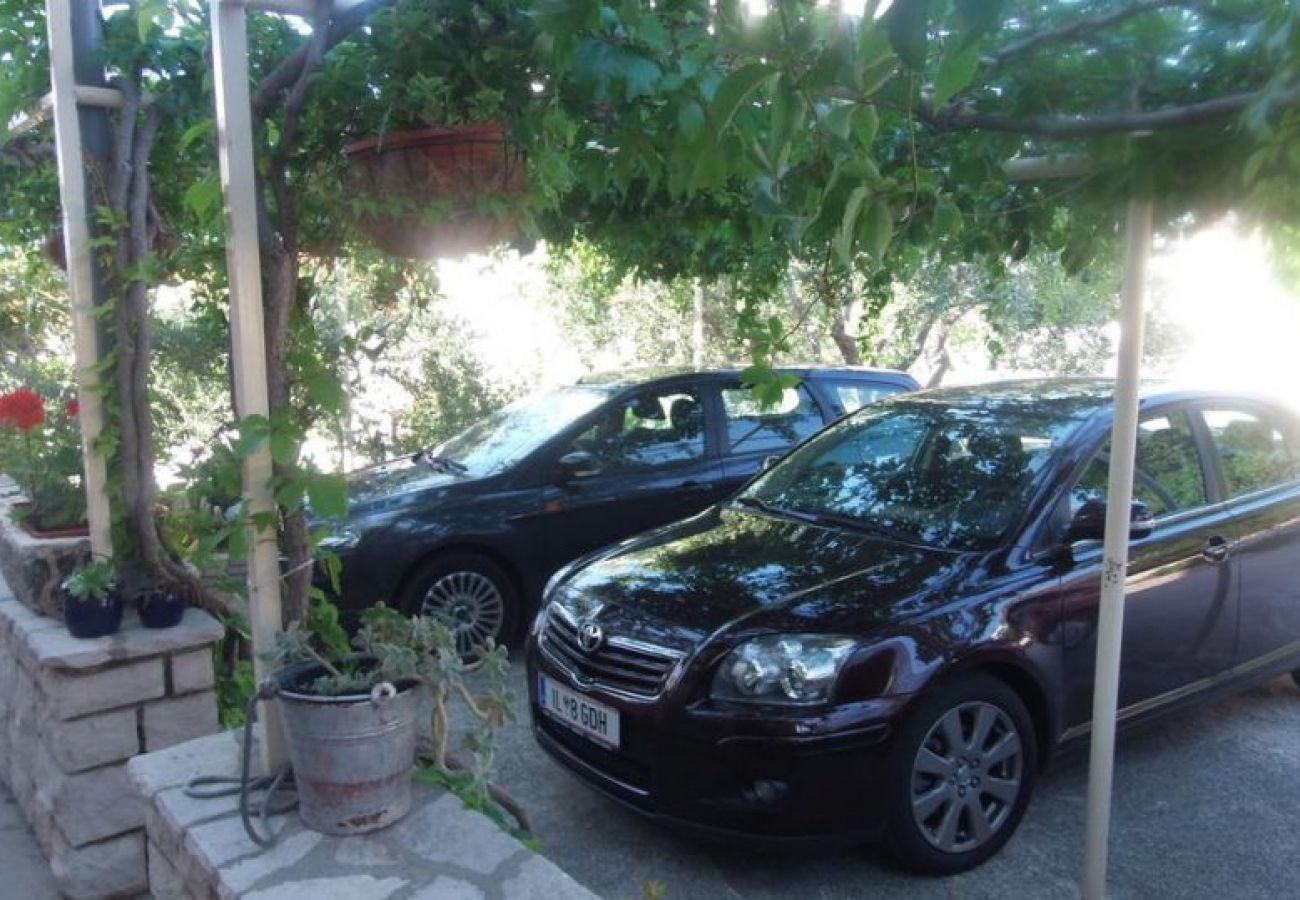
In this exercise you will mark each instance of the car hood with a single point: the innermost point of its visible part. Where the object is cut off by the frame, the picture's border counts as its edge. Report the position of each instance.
(732, 567)
(377, 486)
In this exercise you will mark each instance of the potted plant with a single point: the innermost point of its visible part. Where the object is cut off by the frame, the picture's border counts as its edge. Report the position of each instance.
(92, 604)
(160, 606)
(435, 173)
(352, 721)
(43, 455)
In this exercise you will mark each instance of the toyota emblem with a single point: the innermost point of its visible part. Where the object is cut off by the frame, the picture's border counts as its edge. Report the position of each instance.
(590, 637)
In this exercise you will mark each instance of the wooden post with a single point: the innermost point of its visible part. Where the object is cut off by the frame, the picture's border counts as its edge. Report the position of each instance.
(81, 266)
(1114, 566)
(248, 341)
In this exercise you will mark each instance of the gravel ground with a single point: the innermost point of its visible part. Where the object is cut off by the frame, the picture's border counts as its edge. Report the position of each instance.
(1206, 805)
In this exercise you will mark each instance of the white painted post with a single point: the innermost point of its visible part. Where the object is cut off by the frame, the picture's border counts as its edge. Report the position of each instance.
(81, 289)
(1110, 623)
(248, 340)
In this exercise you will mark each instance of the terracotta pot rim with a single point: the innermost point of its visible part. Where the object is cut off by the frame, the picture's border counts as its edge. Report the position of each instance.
(481, 133)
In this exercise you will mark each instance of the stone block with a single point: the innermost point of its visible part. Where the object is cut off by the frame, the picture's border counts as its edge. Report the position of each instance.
(165, 883)
(179, 719)
(51, 646)
(97, 740)
(192, 671)
(91, 806)
(112, 868)
(72, 694)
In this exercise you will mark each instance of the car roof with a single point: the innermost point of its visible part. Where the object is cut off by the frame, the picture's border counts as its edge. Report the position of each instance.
(1087, 395)
(646, 375)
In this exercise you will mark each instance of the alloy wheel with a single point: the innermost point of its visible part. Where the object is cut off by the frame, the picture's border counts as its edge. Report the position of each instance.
(966, 777)
(471, 605)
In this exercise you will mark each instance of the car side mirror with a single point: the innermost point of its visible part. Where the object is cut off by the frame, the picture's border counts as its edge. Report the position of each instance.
(578, 464)
(1089, 522)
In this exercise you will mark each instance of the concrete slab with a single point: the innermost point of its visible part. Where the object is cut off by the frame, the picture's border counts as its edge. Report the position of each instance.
(24, 869)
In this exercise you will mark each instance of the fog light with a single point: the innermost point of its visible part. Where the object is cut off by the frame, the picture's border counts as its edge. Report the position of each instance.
(767, 792)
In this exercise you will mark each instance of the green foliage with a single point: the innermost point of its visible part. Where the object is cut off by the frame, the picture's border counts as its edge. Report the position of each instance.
(93, 582)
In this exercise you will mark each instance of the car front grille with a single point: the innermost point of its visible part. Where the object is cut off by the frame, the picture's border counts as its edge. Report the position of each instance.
(620, 663)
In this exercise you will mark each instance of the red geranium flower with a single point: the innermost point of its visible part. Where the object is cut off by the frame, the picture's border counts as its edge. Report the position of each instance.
(22, 409)
(72, 408)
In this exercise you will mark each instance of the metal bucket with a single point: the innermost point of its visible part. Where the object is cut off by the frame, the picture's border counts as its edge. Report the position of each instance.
(352, 756)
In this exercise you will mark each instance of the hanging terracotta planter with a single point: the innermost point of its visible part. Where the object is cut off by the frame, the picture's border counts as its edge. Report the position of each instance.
(438, 179)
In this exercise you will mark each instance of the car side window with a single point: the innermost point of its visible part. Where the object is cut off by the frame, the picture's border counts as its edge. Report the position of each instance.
(753, 427)
(1254, 452)
(647, 431)
(853, 395)
(1167, 476)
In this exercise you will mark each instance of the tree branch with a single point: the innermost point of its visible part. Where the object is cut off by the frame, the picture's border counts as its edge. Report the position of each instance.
(286, 74)
(959, 117)
(1081, 28)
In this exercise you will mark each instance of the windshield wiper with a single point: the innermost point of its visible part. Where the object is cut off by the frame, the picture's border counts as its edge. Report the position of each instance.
(442, 463)
(853, 523)
(778, 511)
(837, 520)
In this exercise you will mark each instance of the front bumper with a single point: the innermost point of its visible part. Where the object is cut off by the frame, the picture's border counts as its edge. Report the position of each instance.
(733, 775)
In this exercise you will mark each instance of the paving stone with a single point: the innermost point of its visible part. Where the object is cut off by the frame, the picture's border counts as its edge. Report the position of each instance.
(242, 875)
(91, 741)
(183, 810)
(364, 854)
(216, 754)
(444, 887)
(441, 832)
(179, 719)
(192, 671)
(345, 887)
(72, 695)
(112, 868)
(539, 878)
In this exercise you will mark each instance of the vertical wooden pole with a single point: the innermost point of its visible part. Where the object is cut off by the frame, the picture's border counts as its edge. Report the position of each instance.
(1110, 621)
(248, 340)
(81, 268)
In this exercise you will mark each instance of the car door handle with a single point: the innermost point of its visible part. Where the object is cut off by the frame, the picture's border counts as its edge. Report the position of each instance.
(1216, 549)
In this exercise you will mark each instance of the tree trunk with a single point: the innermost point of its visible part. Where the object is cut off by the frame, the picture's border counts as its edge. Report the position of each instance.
(847, 343)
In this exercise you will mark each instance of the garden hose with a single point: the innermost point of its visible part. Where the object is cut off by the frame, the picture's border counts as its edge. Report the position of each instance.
(210, 786)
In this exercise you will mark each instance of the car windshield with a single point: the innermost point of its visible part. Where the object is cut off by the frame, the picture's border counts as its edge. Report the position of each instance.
(512, 432)
(954, 476)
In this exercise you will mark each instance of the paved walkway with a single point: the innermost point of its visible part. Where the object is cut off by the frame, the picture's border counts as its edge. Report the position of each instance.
(1207, 807)
(22, 867)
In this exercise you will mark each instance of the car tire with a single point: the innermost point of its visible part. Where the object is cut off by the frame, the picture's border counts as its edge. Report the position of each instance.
(956, 798)
(475, 594)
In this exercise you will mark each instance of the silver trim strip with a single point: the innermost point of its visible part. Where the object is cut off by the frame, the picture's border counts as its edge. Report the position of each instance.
(1151, 703)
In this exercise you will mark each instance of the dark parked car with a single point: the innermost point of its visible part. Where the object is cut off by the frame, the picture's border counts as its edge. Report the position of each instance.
(885, 635)
(473, 528)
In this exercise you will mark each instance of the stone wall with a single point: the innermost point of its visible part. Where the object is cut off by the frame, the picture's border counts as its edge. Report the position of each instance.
(72, 712)
(35, 567)
(198, 849)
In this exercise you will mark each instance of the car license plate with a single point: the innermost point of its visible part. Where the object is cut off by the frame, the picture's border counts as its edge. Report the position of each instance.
(592, 720)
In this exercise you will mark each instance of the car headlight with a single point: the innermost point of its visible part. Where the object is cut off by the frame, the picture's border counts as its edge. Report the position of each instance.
(344, 538)
(782, 668)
